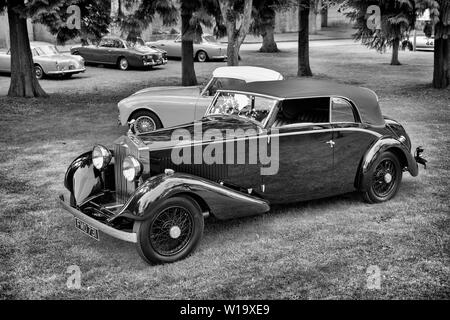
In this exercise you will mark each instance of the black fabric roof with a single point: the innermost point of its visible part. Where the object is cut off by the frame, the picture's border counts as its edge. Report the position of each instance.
(364, 99)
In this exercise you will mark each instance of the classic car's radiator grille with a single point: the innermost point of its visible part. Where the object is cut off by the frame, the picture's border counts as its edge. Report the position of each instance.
(214, 172)
(123, 188)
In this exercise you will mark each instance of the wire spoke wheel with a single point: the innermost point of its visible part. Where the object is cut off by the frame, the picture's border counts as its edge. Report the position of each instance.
(171, 231)
(385, 178)
(144, 124)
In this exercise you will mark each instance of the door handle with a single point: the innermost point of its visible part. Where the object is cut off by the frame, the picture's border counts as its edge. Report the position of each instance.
(331, 143)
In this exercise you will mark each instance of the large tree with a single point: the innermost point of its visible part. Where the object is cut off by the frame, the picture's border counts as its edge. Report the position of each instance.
(441, 74)
(440, 17)
(387, 28)
(236, 16)
(263, 15)
(194, 14)
(94, 19)
(23, 79)
(304, 69)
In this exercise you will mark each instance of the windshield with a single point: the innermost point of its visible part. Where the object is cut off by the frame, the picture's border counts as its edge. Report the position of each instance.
(248, 106)
(46, 51)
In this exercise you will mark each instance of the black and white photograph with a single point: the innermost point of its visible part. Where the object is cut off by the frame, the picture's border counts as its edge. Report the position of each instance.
(223, 156)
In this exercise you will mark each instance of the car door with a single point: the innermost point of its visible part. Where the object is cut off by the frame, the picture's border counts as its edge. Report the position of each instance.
(173, 47)
(5, 61)
(303, 133)
(351, 140)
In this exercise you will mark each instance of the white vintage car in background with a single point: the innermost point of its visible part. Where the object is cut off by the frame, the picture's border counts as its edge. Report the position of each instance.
(47, 61)
(205, 48)
(161, 107)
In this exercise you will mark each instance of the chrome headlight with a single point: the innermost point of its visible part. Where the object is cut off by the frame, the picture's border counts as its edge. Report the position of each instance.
(101, 157)
(131, 168)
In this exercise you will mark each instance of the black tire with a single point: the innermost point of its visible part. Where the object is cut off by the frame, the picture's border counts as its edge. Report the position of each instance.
(172, 232)
(39, 72)
(201, 56)
(145, 121)
(123, 64)
(384, 179)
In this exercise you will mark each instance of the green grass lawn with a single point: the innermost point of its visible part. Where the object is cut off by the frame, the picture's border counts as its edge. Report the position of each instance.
(313, 250)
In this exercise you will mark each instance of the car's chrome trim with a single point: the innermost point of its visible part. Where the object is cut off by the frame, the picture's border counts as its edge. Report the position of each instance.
(66, 71)
(118, 234)
(270, 135)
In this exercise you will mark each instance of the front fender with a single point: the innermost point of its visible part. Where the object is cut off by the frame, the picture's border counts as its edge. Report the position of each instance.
(378, 147)
(83, 180)
(221, 201)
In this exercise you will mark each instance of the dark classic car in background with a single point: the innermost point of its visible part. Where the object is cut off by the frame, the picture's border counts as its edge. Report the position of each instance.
(158, 107)
(332, 139)
(121, 53)
(48, 61)
(205, 48)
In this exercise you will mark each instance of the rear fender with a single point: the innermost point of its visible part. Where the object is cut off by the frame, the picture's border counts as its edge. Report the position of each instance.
(376, 150)
(221, 201)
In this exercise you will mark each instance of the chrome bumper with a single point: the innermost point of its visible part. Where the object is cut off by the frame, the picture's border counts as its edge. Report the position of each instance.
(122, 235)
(67, 71)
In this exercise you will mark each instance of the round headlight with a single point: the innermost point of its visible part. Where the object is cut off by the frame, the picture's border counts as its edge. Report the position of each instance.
(101, 157)
(131, 168)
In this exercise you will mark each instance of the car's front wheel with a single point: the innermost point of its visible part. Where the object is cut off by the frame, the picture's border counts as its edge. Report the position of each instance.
(145, 121)
(384, 179)
(172, 232)
(39, 72)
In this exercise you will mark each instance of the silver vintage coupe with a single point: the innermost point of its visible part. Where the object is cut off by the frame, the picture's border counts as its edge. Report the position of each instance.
(48, 61)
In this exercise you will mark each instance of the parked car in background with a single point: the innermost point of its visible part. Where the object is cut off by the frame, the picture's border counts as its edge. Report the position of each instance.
(423, 42)
(121, 53)
(48, 61)
(324, 139)
(205, 48)
(159, 107)
(141, 42)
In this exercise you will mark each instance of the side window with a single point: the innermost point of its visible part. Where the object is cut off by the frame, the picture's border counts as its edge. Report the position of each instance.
(303, 111)
(224, 83)
(342, 111)
(118, 44)
(107, 43)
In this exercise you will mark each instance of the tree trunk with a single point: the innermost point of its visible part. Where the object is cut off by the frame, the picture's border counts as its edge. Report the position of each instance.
(441, 73)
(395, 48)
(304, 70)
(235, 35)
(188, 77)
(269, 44)
(23, 78)
(324, 14)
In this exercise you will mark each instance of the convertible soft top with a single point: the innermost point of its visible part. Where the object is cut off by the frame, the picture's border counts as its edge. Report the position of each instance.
(365, 100)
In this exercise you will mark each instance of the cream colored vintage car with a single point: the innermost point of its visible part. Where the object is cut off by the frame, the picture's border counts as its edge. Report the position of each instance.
(48, 61)
(161, 107)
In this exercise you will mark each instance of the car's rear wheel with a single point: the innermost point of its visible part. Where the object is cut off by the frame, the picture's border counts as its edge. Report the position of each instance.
(123, 64)
(39, 72)
(172, 232)
(384, 179)
(202, 56)
(145, 121)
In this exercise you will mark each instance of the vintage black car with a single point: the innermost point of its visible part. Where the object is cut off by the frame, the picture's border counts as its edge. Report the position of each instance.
(156, 189)
(121, 53)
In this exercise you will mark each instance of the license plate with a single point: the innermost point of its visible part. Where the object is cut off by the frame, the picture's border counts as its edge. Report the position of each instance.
(87, 229)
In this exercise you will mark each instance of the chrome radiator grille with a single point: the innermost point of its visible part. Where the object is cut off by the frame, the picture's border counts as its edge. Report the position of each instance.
(124, 188)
